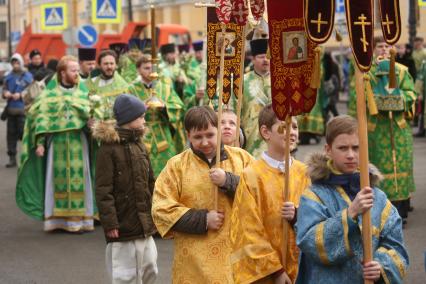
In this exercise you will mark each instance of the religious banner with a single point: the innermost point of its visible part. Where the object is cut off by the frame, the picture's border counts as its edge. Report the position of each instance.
(390, 19)
(239, 12)
(233, 42)
(359, 17)
(292, 59)
(257, 8)
(319, 19)
(223, 10)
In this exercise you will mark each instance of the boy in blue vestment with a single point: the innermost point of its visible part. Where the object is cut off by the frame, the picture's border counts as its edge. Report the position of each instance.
(330, 212)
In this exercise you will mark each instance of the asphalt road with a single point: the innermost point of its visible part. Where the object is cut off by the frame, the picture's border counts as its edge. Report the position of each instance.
(29, 255)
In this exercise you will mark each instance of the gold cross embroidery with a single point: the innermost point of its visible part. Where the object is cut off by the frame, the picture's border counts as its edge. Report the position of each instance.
(387, 23)
(318, 22)
(363, 23)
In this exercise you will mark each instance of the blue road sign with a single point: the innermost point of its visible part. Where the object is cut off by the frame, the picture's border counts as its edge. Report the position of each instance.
(87, 35)
(15, 37)
(54, 16)
(340, 6)
(106, 11)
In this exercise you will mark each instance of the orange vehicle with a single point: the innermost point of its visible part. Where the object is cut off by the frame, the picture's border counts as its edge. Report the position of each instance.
(53, 47)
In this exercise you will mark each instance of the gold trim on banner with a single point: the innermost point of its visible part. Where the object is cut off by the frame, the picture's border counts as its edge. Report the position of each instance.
(349, 23)
(396, 23)
(232, 64)
(330, 29)
(283, 73)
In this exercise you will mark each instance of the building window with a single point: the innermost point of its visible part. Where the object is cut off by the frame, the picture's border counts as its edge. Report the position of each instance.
(3, 31)
(2, 2)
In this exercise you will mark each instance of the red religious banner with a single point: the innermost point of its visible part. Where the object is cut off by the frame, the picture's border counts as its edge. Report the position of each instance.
(233, 41)
(319, 19)
(390, 19)
(359, 17)
(292, 59)
(240, 12)
(257, 8)
(223, 10)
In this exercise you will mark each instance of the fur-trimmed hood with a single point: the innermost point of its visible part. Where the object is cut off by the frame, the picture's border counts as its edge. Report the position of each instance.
(318, 169)
(108, 132)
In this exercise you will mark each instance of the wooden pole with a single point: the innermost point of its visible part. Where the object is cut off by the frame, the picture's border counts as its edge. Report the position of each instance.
(240, 88)
(286, 188)
(363, 161)
(219, 111)
(153, 36)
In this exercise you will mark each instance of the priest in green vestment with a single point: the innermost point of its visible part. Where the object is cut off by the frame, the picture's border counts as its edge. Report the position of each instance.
(54, 180)
(127, 62)
(390, 140)
(257, 94)
(163, 117)
(169, 67)
(107, 85)
(194, 93)
(103, 90)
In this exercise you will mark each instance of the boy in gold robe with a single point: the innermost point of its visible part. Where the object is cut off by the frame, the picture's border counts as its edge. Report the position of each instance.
(259, 212)
(183, 202)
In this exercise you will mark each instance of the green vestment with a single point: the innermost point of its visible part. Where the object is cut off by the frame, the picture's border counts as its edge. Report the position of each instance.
(127, 67)
(108, 91)
(257, 94)
(390, 129)
(56, 119)
(161, 122)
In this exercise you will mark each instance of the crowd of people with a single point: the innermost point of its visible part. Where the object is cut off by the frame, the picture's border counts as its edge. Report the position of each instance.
(123, 140)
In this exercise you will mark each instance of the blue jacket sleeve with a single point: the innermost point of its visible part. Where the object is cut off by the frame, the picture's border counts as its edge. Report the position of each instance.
(391, 253)
(325, 237)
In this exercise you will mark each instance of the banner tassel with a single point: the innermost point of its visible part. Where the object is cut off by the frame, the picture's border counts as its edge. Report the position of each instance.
(339, 37)
(372, 107)
(316, 70)
(392, 75)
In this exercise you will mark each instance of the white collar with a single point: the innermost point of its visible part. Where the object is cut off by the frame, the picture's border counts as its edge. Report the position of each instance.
(280, 165)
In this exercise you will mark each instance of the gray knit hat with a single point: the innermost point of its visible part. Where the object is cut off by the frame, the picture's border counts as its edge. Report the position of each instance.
(127, 108)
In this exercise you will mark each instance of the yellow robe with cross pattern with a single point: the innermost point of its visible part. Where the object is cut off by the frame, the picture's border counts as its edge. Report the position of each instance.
(184, 184)
(256, 222)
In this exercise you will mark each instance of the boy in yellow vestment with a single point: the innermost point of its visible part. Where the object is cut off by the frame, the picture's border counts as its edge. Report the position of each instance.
(259, 210)
(183, 202)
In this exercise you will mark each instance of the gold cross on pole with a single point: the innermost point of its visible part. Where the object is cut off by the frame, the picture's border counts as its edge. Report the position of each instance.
(363, 23)
(387, 24)
(318, 22)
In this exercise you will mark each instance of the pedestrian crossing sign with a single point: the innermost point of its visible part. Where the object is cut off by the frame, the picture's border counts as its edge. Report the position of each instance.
(54, 16)
(106, 11)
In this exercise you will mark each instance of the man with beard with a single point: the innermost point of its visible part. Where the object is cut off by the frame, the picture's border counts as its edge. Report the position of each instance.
(108, 85)
(257, 94)
(170, 68)
(54, 181)
(87, 60)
